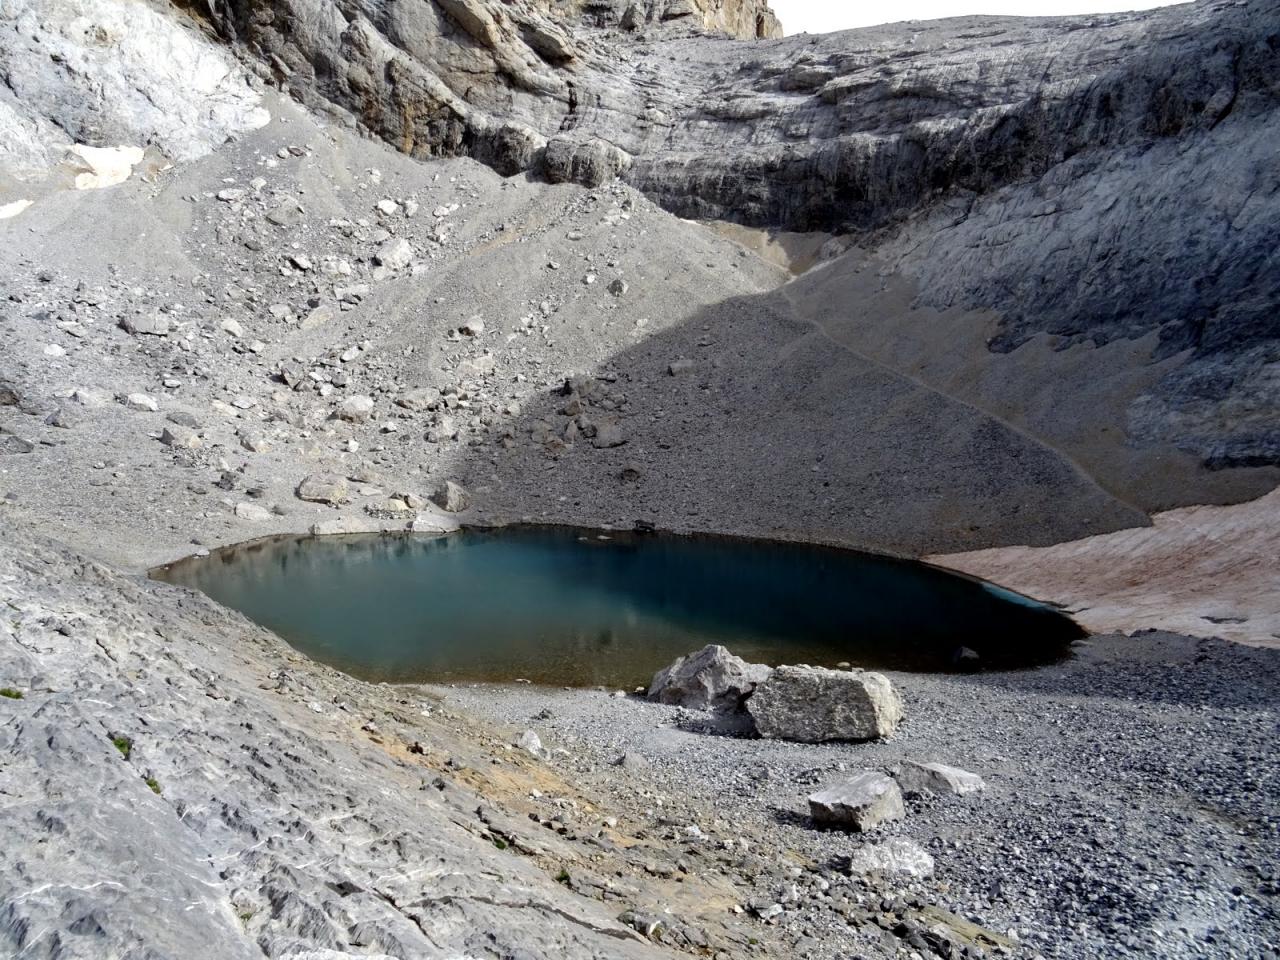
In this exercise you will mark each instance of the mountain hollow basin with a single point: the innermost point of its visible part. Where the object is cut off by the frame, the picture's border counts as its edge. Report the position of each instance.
(572, 607)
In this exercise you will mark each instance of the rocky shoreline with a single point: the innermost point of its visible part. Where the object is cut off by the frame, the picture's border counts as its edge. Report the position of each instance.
(1128, 811)
(1128, 805)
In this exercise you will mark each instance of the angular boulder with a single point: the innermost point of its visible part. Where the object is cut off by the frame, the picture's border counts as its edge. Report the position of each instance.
(323, 488)
(395, 254)
(814, 705)
(357, 409)
(452, 497)
(711, 679)
(862, 802)
(920, 778)
(148, 324)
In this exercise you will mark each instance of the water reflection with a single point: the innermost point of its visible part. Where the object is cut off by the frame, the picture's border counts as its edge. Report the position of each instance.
(559, 606)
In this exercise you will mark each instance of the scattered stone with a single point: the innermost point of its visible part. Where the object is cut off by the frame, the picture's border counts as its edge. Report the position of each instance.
(896, 856)
(64, 418)
(677, 367)
(183, 419)
(444, 428)
(861, 802)
(814, 704)
(9, 396)
(180, 437)
(232, 328)
(356, 409)
(12, 443)
(141, 401)
(148, 324)
(452, 497)
(286, 215)
(345, 525)
(317, 317)
(711, 679)
(472, 327)
(323, 488)
(254, 442)
(394, 254)
(920, 778)
(608, 434)
(253, 512)
(531, 743)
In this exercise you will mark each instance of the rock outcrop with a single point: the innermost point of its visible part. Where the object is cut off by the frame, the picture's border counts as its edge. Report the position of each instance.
(1062, 173)
(91, 72)
(182, 789)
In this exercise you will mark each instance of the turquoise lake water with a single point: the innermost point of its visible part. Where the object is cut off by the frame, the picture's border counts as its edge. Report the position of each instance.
(578, 608)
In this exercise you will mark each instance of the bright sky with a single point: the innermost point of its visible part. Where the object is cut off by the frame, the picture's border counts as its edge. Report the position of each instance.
(823, 16)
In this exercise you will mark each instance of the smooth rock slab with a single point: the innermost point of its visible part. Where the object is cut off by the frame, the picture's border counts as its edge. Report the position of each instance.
(814, 705)
(713, 678)
(862, 802)
(917, 778)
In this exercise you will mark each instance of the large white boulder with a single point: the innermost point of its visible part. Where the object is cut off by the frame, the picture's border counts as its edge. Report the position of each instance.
(711, 679)
(814, 704)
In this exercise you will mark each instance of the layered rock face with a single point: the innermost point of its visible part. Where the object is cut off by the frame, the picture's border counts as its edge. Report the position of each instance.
(1090, 180)
(87, 71)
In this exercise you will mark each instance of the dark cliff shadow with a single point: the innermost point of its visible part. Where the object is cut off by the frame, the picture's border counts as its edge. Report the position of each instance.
(743, 419)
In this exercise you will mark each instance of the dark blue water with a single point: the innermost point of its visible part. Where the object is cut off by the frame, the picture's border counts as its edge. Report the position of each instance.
(559, 606)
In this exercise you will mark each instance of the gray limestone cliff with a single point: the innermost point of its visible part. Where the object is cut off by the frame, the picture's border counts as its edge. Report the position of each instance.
(1094, 179)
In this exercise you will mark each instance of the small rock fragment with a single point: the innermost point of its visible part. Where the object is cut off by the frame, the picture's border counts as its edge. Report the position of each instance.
(253, 512)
